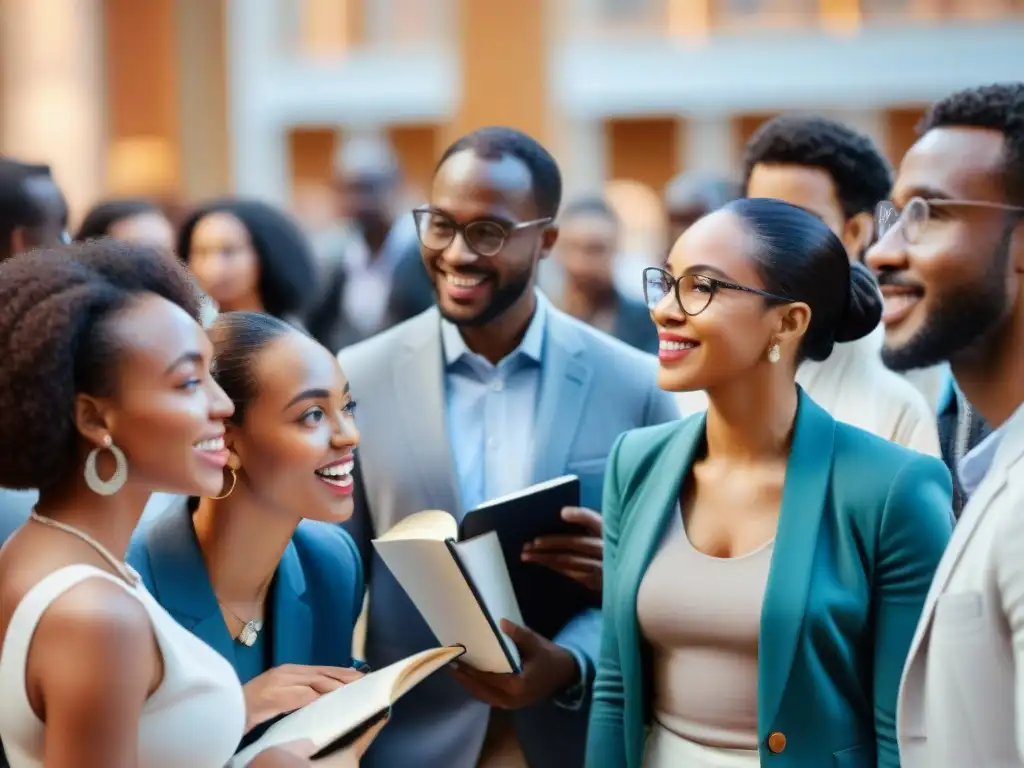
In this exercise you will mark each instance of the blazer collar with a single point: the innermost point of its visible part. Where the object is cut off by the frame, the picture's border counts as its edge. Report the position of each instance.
(1009, 453)
(804, 497)
(182, 585)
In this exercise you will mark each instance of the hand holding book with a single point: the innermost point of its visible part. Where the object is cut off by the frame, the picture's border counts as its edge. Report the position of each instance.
(578, 556)
(547, 669)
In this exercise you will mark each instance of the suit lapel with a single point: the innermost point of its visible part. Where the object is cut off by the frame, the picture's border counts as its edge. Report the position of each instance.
(804, 496)
(640, 534)
(292, 616)
(1009, 452)
(565, 380)
(420, 399)
(180, 581)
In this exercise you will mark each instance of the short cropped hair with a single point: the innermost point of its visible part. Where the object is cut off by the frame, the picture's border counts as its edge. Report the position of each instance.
(496, 142)
(862, 176)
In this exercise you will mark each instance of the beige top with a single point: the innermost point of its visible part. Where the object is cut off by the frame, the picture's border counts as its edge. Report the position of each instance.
(701, 615)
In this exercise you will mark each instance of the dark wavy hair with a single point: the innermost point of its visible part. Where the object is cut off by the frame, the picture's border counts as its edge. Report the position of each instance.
(102, 216)
(800, 258)
(55, 308)
(287, 262)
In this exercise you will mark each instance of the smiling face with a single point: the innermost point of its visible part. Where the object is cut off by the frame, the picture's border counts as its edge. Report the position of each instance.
(167, 414)
(731, 336)
(494, 195)
(297, 438)
(946, 293)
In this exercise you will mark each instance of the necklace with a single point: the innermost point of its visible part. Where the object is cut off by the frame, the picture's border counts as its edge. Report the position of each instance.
(123, 570)
(250, 629)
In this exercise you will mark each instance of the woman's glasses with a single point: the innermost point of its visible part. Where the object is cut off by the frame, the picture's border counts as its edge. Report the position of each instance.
(484, 237)
(693, 292)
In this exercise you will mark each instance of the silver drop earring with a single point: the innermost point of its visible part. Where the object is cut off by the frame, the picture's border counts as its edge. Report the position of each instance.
(774, 353)
(117, 480)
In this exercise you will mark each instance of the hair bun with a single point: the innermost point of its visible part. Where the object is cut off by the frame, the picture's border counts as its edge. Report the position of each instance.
(863, 307)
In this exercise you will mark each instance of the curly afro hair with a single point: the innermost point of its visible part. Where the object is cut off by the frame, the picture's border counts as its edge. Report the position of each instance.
(999, 107)
(54, 344)
(862, 176)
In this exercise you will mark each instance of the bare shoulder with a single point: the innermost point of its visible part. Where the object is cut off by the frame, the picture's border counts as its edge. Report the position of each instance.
(93, 648)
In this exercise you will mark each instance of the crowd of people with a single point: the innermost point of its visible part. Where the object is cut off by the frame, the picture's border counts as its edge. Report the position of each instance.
(799, 439)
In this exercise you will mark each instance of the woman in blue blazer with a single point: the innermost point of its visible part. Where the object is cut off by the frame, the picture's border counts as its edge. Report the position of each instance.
(263, 573)
(765, 565)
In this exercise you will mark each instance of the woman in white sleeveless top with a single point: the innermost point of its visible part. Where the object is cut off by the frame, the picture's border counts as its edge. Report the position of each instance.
(106, 375)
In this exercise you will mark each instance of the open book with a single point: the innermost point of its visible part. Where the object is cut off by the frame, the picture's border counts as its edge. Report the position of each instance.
(465, 578)
(337, 719)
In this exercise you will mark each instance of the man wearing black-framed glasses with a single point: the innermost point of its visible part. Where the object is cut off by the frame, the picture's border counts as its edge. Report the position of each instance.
(492, 391)
(950, 260)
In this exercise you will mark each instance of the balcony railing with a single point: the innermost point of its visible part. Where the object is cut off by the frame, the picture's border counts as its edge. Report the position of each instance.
(699, 18)
(330, 29)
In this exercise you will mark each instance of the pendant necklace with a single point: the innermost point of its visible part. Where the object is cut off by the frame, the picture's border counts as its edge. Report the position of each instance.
(250, 631)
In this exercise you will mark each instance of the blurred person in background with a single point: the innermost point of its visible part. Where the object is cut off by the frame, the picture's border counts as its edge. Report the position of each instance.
(33, 211)
(373, 276)
(249, 256)
(588, 243)
(689, 196)
(135, 220)
(839, 175)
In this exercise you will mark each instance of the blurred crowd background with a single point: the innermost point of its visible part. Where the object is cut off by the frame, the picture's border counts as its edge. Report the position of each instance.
(303, 103)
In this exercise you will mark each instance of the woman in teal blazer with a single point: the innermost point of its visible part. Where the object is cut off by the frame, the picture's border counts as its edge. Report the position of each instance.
(264, 573)
(855, 526)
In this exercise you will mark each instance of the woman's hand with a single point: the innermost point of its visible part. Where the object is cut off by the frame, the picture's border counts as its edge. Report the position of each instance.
(290, 687)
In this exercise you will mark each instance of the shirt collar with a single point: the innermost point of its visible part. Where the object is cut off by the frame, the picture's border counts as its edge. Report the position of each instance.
(531, 346)
(978, 461)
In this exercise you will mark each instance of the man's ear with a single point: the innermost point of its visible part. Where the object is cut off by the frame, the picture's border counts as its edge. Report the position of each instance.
(20, 241)
(548, 240)
(94, 419)
(858, 234)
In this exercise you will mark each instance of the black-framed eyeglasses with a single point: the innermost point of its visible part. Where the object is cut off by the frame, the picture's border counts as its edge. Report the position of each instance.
(693, 292)
(484, 237)
(916, 214)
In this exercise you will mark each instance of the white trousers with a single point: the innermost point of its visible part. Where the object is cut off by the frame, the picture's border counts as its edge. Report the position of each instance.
(665, 749)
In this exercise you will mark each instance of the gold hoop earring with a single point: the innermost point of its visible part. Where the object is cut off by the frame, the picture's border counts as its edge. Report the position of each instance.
(234, 481)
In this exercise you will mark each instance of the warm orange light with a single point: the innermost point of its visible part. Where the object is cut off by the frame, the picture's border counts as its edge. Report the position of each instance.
(689, 19)
(841, 17)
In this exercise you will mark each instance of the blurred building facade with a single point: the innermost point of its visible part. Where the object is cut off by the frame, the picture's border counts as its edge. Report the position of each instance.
(195, 97)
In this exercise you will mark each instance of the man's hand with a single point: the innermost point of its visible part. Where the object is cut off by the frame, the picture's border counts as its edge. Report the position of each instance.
(576, 556)
(548, 669)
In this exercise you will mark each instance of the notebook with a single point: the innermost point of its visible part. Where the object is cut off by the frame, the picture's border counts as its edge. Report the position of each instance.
(335, 720)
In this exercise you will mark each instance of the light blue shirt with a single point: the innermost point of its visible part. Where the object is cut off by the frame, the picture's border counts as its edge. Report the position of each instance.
(491, 410)
(978, 461)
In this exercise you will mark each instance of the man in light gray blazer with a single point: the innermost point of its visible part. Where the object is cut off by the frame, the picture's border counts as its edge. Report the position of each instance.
(950, 259)
(488, 392)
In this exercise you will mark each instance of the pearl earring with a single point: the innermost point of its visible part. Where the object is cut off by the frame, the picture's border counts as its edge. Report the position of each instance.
(774, 353)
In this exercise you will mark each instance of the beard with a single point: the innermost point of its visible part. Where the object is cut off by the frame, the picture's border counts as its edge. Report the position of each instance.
(505, 295)
(964, 317)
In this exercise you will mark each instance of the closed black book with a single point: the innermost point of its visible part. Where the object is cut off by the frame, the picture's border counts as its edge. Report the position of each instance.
(547, 600)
